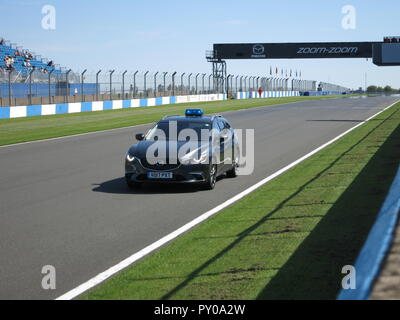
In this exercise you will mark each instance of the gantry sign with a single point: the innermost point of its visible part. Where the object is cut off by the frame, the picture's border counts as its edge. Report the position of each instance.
(294, 50)
(386, 53)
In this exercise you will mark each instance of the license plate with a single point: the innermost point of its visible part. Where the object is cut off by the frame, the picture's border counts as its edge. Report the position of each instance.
(159, 175)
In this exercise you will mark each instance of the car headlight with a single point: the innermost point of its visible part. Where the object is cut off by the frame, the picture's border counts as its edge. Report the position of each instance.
(129, 157)
(191, 157)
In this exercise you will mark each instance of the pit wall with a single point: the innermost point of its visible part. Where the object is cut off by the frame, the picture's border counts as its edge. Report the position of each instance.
(76, 107)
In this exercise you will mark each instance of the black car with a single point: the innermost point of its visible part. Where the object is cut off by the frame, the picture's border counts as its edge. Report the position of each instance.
(193, 148)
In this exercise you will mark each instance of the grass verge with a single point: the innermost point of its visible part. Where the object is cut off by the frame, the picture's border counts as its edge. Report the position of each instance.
(44, 127)
(287, 240)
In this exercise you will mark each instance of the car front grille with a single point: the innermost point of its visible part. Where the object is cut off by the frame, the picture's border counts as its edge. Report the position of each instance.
(159, 166)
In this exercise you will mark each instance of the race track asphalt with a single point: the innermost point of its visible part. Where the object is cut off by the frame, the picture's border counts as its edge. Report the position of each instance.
(65, 203)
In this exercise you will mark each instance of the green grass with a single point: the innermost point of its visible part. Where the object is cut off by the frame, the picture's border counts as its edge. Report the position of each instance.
(287, 240)
(44, 127)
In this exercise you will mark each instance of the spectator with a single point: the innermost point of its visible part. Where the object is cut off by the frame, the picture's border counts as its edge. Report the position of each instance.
(8, 60)
(260, 92)
(1, 42)
(9, 63)
(51, 64)
(28, 55)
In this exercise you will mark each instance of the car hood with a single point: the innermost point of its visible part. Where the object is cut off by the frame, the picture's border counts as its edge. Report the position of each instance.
(139, 150)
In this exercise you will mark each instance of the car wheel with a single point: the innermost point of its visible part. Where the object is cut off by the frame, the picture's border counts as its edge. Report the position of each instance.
(233, 172)
(212, 178)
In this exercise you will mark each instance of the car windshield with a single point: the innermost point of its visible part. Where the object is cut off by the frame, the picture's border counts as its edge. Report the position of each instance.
(183, 129)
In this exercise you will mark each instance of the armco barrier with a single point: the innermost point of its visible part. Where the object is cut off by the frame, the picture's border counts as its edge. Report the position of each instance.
(76, 107)
(377, 245)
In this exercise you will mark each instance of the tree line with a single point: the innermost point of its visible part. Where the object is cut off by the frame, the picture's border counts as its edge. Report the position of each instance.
(386, 89)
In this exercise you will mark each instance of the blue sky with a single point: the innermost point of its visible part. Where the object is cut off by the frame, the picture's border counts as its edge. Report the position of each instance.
(173, 35)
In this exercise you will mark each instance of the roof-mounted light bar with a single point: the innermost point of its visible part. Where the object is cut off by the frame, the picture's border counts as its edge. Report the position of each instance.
(194, 112)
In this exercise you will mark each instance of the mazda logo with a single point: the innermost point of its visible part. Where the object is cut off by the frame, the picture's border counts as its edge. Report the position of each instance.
(258, 49)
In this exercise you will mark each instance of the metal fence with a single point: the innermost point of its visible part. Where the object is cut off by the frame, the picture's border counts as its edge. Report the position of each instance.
(41, 88)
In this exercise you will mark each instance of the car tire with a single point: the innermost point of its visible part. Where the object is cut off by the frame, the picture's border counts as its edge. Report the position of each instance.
(212, 178)
(233, 172)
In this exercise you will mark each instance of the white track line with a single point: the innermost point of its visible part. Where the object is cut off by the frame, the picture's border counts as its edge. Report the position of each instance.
(142, 253)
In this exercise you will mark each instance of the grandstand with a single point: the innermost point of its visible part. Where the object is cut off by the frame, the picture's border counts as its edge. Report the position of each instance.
(26, 77)
(19, 55)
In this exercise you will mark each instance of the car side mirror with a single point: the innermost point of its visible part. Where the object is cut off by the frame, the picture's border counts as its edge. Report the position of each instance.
(140, 137)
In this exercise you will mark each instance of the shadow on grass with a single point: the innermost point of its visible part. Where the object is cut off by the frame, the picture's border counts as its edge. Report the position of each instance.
(314, 270)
